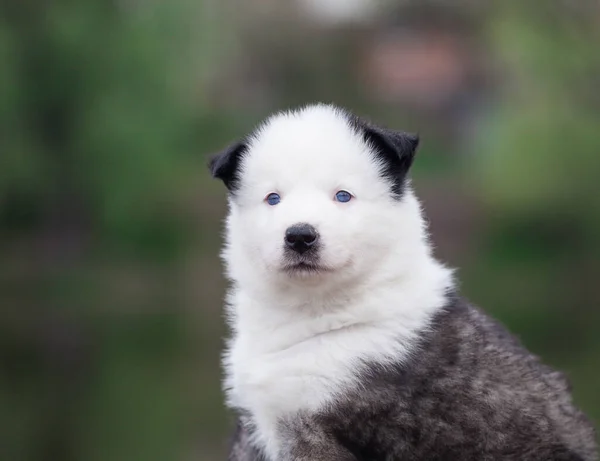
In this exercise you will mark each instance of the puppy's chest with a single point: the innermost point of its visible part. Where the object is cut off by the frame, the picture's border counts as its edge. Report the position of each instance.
(300, 378)
(274, 386)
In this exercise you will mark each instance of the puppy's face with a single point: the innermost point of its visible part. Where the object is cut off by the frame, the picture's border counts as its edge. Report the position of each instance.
(314, 195)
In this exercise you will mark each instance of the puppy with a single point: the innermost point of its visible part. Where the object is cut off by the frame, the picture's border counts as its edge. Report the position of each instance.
(349, 340)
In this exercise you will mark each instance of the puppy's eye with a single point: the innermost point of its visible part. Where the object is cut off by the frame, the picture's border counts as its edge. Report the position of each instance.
(343, 196)
(273, 198)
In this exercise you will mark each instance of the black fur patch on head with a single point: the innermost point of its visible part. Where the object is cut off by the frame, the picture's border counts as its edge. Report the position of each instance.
(395, 149)
(226, 165)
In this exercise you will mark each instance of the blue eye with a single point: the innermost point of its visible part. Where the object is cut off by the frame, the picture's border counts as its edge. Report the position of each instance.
(343, 196)
(273, 198)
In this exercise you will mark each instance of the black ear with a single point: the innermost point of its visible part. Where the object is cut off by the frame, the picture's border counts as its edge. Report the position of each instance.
(225, 165)
(395, 149)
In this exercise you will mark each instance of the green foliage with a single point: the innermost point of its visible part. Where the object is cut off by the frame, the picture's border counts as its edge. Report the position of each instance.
(93, 114)
(537, 164)
(102, 136)
(547, 120)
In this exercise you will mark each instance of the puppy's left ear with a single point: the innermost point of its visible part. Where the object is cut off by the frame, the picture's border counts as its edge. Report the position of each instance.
(395, 147)
(226, 164)
(395, 151)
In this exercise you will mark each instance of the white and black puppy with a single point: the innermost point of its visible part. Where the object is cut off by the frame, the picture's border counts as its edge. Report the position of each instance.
(349, 341)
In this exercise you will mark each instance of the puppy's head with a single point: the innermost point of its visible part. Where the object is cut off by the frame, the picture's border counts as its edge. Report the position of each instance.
(316, 195)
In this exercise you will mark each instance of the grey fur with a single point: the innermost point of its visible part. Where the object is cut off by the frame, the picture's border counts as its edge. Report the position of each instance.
(241, 447)
(471, 392)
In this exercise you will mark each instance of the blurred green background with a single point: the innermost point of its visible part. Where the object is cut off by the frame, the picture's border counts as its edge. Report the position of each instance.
(110, 283)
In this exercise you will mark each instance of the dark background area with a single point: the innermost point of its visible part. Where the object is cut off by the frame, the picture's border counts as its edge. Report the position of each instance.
(110, 283)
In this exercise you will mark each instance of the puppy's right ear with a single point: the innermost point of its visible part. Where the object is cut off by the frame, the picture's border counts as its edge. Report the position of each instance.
(226, 164)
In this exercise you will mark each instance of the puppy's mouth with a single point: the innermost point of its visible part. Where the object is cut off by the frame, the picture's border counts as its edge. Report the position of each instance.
(305, 268)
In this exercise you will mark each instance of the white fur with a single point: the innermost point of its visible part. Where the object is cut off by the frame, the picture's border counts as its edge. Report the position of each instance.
(298, 341)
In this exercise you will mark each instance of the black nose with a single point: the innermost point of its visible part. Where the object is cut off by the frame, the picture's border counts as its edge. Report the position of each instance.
(300, 237)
